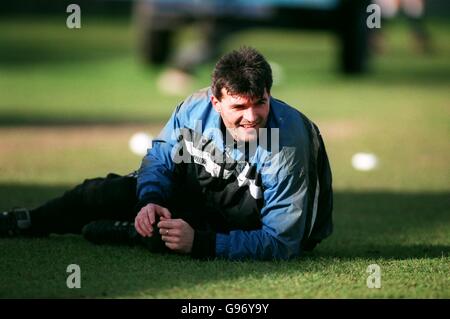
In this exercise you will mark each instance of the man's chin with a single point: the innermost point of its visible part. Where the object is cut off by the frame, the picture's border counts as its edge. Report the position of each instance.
(247, 135)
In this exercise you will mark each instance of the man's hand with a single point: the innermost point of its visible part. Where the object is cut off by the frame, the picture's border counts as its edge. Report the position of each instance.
(177, 234)
(146, 218)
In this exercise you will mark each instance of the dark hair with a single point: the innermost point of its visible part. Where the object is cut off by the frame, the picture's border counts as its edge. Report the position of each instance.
(243, 72)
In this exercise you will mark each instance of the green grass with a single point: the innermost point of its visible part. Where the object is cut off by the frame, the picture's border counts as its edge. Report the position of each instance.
(397, 216)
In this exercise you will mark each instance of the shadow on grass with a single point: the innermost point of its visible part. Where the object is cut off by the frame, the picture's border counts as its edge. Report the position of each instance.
(30, 41)
(365, 223)
(368, 226)
(23, 120)
(26, 54)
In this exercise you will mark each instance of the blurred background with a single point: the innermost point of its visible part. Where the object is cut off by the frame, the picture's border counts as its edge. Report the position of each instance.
(82, 102)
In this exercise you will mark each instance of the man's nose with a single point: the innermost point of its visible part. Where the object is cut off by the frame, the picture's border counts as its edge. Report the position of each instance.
(250, 115)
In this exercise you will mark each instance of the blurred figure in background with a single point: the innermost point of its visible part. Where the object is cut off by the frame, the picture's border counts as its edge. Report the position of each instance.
(414, 11)
(179, 77)
(158, 21)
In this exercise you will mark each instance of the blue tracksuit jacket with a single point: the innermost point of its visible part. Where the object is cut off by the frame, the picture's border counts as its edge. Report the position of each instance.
(266, 201)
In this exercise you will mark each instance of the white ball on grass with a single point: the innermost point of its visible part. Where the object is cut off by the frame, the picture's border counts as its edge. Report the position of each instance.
(364, 161)
(140, 142)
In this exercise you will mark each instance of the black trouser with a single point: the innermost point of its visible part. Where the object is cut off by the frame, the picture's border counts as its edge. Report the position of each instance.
(113, 197)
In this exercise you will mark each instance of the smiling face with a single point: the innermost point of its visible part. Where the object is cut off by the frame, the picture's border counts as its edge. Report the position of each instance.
(242, 115)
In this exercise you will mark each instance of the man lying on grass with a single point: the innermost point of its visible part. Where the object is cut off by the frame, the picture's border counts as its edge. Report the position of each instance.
(235, 173)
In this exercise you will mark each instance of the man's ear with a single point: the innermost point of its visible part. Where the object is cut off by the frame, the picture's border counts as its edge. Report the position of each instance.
(216, 103)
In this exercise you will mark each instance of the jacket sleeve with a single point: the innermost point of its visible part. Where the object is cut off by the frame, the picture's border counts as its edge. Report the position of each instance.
(155, 176)
(283, 217)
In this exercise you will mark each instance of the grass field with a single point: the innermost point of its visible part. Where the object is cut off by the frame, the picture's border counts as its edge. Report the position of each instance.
(70, 100)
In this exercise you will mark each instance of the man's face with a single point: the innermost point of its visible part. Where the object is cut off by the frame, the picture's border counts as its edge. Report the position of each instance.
(242, 115)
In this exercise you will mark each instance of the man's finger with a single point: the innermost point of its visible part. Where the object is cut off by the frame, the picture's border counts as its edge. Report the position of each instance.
(164, 212)
(143, 221)
(140, 220)
(171, 246)
(138, 228)
(150, 214)
(172, 232)
(168, 223)
(170, 239)
(141, 225)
